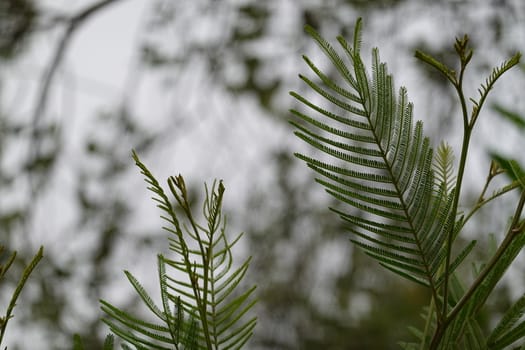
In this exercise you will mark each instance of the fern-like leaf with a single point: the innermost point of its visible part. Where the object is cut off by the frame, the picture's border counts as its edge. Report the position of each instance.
(506, 332)
(512, 168)
(379, 162)
(4, 267)
(444, 167)
(108, 342)
(496, 73)
(204, 310)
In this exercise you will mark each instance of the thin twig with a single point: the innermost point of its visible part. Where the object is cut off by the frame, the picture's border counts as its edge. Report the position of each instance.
(73, 23)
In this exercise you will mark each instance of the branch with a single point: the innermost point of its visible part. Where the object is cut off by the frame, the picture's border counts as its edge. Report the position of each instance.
(516, 228)
(72, 24)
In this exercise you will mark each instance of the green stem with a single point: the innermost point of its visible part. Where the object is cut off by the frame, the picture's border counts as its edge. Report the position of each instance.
(482, 202)
(467, 130)
(514, 230)
(428, 323)
(206, 256)
(12, 303)
(201, 300)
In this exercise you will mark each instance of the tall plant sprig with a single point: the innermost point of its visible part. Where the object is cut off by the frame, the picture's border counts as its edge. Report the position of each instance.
(205, 309)
(465, 53)
(4, 267)
(405, 202)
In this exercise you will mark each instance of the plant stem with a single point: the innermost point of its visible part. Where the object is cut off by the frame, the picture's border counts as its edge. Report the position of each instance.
(482, 202)
(20, 285)
(428, 323)
(514, 230)
(467, 130)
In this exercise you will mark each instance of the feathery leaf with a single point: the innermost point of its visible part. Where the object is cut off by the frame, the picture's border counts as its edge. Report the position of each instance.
(204, 309)
(379, 162)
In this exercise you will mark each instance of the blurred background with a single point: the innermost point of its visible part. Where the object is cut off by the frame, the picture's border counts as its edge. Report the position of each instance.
(201, 88)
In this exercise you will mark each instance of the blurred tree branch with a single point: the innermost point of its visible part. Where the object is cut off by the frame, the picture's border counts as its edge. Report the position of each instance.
(72, 23)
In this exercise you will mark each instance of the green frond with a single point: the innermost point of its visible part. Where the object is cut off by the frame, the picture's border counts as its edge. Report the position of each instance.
(332, 98)
(444, 167)
(332, 54)
(330, 83)
(320, 166)
(510, 337)
(358, 36)
(152, 330)
(206, 308)
(317, 141)
(446, 71)
(144, 295)
(6, 264)
(459, 259)
(379, 162)
(506, 333)
(344, 120)
(496, 73)
(28, 269)
(512, 168)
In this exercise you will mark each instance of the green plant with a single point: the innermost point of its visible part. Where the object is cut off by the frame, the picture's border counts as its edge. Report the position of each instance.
(405, 199)
(405, 213)
(204, 309)
(4, 267)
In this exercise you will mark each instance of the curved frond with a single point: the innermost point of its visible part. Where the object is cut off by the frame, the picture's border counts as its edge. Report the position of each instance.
(378, 161)
(496, 73)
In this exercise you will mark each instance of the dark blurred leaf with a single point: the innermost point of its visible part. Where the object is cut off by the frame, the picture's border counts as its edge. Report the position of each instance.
(514, 117)
(251, 22)
(9, 218)
(77, 342)
(16, 21)
(512, 168)
(42, 163)
(153, 57)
